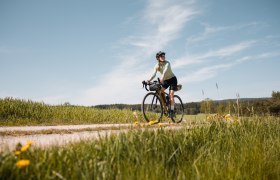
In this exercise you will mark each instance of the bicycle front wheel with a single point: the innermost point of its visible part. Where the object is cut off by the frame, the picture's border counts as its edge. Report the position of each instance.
(152, 107)
(178, 110)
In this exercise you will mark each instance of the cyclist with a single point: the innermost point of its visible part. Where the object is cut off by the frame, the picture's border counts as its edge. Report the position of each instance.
(168, 79)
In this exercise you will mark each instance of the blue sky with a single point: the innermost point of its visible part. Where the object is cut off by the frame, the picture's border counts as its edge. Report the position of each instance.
(98, 52)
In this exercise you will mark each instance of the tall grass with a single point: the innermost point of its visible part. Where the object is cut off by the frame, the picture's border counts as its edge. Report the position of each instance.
(26, 112)
(250, 150)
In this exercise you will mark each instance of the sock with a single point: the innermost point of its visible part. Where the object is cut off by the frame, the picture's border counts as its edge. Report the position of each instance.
(172, 107)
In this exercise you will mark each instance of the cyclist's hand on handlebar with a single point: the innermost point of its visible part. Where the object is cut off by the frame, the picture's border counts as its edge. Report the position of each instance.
(147, 82)
(161, 80)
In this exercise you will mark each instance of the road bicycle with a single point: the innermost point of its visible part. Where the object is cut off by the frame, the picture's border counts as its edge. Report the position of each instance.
(155, 104)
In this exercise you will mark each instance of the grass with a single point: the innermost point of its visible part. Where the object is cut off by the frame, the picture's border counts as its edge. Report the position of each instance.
(17, 112)
(247, 150)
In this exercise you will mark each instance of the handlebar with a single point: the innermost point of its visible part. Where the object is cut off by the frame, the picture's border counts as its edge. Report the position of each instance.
(145, 84)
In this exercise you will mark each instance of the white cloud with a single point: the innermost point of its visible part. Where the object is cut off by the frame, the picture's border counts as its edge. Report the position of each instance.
(161, 23)
(219, 53)
(229, 50)
(205, 73)
(266, 55)
(211, 31)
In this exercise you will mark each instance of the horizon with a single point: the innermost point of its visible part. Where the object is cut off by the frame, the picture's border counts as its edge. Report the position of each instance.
(96, 53)
(69, 104)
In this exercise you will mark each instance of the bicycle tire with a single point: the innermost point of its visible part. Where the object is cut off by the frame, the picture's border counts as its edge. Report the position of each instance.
(151, 107)
(178, 110)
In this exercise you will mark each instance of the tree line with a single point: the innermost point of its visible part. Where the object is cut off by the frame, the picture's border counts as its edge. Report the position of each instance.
(243, 106)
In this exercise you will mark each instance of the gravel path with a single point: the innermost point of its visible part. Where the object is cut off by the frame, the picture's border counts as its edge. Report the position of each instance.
(8, 142)
(61, 127)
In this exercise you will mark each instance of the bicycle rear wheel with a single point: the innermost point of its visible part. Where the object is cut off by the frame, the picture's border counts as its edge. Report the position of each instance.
(178, 110)
(152, 107)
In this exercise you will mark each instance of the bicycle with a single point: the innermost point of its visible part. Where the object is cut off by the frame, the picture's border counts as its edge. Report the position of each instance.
(157, 103)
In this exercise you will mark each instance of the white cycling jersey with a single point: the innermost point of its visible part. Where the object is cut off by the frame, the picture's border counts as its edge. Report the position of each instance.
(165, 70)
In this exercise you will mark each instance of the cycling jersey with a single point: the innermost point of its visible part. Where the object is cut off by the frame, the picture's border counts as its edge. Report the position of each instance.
(165, 69)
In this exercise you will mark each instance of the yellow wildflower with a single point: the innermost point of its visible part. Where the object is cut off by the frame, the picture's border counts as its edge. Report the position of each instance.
(228, 117)
(17, 153)
(23, 163)
(153, 122)
(25, 147)
(29, 142)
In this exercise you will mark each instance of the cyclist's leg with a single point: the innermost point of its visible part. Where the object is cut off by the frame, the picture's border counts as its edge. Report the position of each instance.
(173, 87)
(171, 95)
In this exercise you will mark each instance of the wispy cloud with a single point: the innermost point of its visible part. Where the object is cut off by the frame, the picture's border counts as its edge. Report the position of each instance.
(205, 73)
(209, 72)
(157, 26)
(211, 31)
(262, 56)
(229, 50)
(219, 53)
(160, 24)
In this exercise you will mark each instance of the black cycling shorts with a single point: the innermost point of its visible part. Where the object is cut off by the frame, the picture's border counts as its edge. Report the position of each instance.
(172, 83)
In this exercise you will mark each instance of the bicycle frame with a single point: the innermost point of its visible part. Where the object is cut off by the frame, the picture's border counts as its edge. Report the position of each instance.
(163, 100)
(158, 103)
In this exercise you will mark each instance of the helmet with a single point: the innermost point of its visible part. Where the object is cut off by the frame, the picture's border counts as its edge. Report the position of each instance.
(159, 54)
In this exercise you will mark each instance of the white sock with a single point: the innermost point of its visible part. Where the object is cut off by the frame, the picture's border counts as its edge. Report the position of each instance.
(172, 107)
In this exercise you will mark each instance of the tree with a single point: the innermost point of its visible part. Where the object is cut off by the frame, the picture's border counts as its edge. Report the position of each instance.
(275, 96)
(274, 108)
(221, 108)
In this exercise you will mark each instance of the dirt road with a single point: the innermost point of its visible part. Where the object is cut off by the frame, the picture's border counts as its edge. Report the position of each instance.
(47, 136)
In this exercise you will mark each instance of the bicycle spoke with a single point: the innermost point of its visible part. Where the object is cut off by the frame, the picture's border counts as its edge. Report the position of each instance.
(178, 110)
(151, 108)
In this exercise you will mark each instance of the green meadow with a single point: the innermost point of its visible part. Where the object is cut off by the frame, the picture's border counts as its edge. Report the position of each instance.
(244, 149)
(17, 112)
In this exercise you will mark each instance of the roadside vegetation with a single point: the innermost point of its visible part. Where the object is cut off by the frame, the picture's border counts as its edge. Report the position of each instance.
(17, 112)
(249, 149)
(20, 112)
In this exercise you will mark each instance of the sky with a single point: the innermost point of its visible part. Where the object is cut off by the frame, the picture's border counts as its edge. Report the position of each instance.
(98, 52)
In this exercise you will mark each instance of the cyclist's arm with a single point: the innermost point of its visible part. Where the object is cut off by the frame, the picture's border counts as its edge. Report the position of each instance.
(154, 74)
